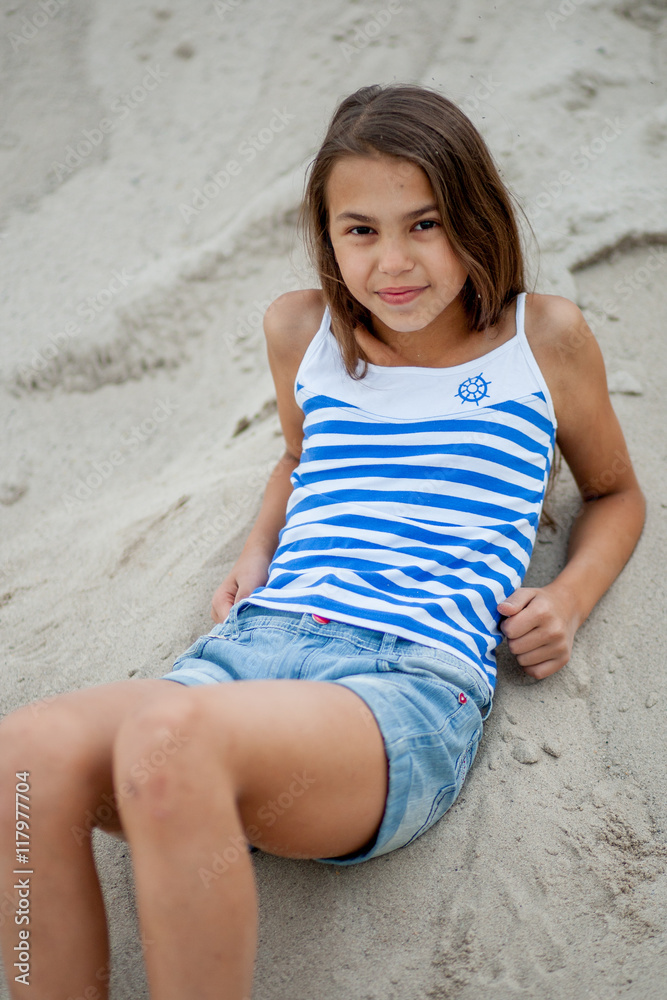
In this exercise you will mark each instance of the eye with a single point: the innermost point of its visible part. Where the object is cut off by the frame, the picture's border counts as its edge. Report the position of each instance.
(428, 223)
(361, 230)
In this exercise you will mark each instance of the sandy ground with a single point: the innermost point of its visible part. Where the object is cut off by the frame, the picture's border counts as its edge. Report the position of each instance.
(152, 162)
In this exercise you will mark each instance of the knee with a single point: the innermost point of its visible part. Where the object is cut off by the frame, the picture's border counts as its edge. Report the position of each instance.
(30, 736)
(155, 746)
(45, 746)
(18, 729)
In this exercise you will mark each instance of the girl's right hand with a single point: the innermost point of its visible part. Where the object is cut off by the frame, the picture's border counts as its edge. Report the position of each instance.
(250, 571)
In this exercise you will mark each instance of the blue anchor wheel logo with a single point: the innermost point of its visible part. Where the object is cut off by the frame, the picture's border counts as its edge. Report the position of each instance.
(473, 389)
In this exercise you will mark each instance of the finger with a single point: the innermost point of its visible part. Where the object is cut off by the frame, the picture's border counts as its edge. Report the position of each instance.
(522, 624)
(534, 657)
(517, 601)
(540, 654)
(535, 638)
(544, 669)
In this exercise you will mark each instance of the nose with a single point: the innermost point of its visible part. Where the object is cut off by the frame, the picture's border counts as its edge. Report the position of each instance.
(394, 257)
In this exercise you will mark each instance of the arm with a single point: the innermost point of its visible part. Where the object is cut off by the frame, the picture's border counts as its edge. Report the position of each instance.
(541, 622)
(251, 569)
(290, 324)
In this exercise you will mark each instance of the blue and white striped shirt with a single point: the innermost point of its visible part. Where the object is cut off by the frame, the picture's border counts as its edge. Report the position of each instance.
(418, 494)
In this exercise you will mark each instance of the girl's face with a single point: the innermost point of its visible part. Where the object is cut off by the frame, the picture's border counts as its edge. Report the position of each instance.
(387, 236)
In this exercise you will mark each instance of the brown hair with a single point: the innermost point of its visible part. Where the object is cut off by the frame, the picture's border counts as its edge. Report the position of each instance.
(419, 125)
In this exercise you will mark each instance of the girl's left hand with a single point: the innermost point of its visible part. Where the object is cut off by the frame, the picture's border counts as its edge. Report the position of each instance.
(540, 624)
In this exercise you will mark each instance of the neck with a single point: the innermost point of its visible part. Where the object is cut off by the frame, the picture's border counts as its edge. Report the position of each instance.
(426, 347)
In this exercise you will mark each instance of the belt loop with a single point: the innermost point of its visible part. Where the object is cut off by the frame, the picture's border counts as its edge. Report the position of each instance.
(231, 620)
(388, 643)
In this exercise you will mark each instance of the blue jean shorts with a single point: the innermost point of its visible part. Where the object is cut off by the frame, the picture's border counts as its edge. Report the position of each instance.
(429, 704)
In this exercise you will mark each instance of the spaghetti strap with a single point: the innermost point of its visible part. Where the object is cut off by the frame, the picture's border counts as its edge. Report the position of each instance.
(521, 316)
(530, 357)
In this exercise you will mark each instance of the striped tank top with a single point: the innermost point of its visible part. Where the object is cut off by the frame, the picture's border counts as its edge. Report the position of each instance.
(417, 497)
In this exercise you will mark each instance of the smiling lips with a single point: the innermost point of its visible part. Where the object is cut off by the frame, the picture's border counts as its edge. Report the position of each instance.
(397, 296)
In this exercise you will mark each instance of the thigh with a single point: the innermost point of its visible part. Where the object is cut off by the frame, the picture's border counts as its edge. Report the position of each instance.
(307, 761)
(66, 742)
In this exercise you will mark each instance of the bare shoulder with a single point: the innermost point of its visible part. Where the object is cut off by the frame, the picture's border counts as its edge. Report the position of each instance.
(290, 323)
(292, 320)
(551, 318)
(589, 434)
(564, 346)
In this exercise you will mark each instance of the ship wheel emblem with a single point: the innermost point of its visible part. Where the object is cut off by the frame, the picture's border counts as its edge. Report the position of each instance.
(473, 389)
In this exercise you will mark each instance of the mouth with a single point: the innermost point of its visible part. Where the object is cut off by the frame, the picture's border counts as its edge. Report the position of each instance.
(398, 296)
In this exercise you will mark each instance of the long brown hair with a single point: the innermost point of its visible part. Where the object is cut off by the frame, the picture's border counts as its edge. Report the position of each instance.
(419, 125)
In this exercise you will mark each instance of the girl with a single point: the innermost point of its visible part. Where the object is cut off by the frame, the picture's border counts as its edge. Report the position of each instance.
(421, 391)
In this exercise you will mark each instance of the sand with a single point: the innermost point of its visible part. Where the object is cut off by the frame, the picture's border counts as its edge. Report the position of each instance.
(152, 163)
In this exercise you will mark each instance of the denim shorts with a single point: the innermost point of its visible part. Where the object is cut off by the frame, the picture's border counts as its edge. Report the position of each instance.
(429, 704)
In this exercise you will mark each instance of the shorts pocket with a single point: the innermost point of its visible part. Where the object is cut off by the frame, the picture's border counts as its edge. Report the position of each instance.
(441, 668)
(446, 795)
(442, 802)
(464, 762)
(195, 651)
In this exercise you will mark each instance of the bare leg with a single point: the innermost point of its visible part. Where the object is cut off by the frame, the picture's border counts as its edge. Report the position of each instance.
(200, 933)
(296, 766)
(66, 746)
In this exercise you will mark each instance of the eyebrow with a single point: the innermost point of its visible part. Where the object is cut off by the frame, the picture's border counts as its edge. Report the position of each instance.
(358, 217)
